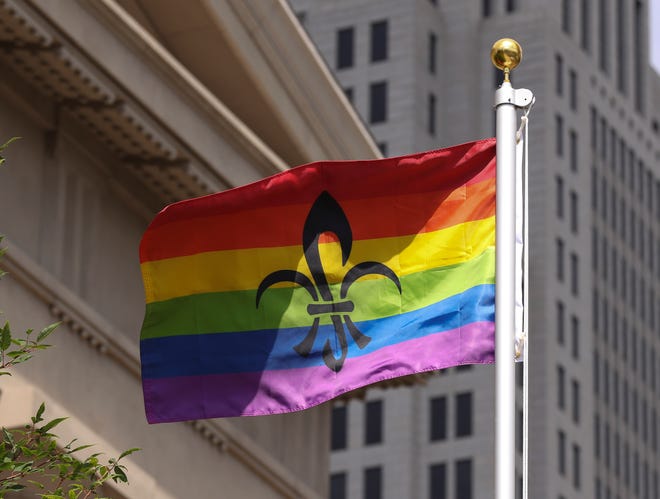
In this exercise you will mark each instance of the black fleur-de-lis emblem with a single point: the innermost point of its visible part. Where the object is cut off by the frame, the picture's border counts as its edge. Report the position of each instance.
(326, 215)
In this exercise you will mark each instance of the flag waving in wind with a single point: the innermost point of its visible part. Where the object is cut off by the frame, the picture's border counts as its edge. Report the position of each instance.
(282, 294)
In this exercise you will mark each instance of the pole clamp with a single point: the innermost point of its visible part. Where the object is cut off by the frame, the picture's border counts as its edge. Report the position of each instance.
(519, 97)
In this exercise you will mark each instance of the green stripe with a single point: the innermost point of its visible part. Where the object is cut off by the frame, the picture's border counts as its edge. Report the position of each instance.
(236, 311)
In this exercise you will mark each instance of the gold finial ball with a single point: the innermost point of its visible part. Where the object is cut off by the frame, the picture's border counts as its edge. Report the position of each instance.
(506, 53)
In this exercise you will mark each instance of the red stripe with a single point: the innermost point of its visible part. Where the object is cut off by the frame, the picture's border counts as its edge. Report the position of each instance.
(406, 191)
(422, 172)
(282, 225)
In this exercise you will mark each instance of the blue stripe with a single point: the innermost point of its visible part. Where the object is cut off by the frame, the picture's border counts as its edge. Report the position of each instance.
(254, 351)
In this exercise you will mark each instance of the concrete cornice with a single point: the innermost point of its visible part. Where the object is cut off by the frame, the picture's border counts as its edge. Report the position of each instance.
(162, 123)
(101, 336)
(186, 82)
(292, 74)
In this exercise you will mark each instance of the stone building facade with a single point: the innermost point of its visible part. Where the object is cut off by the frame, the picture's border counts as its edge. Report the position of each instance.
(123, 106)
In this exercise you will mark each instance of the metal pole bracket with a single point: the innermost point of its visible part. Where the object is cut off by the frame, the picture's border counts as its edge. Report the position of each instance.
(519, 97)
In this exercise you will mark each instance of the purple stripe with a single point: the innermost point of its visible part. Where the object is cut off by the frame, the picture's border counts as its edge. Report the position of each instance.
(288, 390)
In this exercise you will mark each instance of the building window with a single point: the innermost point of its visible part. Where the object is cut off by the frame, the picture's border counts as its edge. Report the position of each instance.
(338, 486)
(438, 418)
(574, 274)
(576, 467)
(559, 74)
(561, 390)
(585, 16)
(379, 41)
(593, 114)
(486, 8)
(575, 337)
(348, 92)
(639, 37)
(596, 373)
(573, 203)
(566, 16)
(594, 191)
(302, 17)
(463, 479)
(575, 396)
(561, 321)
(603, 36)
(345, 44)
(464, 411)
(373, 422)
(606, 382)
(510, 5)
(338, 427)
(596, 436)
(559, 196)
(559, 135)
(378, 102)
(373, 483)
(572, 89)
(561, 452)
(431, 117)
(433, 48)
(560, 259)
(621, 36)
(438, 481)
(573, 150)
(613, 144)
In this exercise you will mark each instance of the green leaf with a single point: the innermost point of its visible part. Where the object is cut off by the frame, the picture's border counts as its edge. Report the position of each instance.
(5, 337)
(9, 438)
(80, 448)
(14, 486)
(128, 452)
(6, 144)
(23, 467)
(119, 475)
(50, 425)
(37, 418)
(43, 334)
(36, 484)
(20, 357)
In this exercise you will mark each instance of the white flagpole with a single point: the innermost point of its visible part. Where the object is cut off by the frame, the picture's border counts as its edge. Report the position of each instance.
(506, 55)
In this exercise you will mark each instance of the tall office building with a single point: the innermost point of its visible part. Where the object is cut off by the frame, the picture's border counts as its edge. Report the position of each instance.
(419, 74)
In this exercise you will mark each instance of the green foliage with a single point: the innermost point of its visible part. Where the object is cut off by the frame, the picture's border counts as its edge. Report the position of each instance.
(4, 146)
(30, 456)
(17, 350)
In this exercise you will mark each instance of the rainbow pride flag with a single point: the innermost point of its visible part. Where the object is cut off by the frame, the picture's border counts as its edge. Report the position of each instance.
(282, 294)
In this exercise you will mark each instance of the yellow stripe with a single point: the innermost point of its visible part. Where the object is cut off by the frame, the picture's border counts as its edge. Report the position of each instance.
(234, 270)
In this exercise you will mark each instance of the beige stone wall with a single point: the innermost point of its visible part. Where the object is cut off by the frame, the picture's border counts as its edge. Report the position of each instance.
(77, 193)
